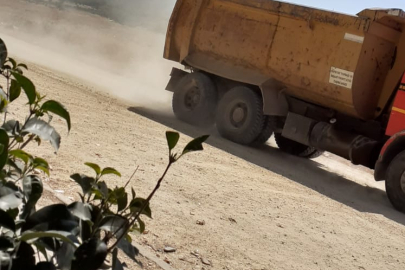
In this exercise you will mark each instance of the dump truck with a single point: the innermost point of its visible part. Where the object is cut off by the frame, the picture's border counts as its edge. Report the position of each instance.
(315, 79)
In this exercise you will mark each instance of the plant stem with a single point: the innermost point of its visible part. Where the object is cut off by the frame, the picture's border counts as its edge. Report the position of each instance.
(131, 177)
(7, 94)
(98, 219)
(27, 142)
(143, 207)
(30, 139)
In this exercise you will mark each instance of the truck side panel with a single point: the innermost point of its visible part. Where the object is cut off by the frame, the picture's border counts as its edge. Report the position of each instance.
(319, 56)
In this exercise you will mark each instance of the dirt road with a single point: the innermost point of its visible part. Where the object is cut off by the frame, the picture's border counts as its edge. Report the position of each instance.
(262, 209)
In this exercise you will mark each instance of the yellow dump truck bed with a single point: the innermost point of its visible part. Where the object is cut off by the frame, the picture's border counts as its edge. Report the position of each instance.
(348, 63)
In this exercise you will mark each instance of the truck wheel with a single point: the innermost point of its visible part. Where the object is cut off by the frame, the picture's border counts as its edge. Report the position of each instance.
(267, 131)
(240, 115)
(395, 182)
(195, 99)
(296, 148)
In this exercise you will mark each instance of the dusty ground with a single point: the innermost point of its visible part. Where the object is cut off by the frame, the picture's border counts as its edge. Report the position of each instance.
(262, 209)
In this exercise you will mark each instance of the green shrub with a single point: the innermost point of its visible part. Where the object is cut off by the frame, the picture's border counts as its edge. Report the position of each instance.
(68, 237)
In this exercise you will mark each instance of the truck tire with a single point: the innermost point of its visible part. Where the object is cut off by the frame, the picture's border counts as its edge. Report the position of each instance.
(395, 182)
(267, 131)
(195, 100)
(296, 148)
(240, 115)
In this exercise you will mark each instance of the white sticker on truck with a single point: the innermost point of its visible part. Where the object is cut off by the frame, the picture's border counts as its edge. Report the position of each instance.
(341, 77)
(354, 38)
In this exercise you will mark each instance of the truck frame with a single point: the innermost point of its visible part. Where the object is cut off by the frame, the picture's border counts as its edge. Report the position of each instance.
(317, 80)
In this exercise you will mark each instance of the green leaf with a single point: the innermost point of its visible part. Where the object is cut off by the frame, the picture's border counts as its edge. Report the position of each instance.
(56, 216)
(6, 260)
(122, 199)
(23, 66)
(13, 213)
(6, 243)
(33, 189)
(90, 255)
(6, 221)
(86, 229)
(195, 145)
(41, 248)
(110, 171)
(27, 86)
(133, 193)
(32, 186)
(19, 70)
(137, 204)
(127, 247)
(97, 193)
(95, 167)
(10, 200)
(43, 130)
(81, 210)
(21, 154)
(85, 182)
(12, 61)
(44, 266)
(41, 164)
(102, 186)
(38, 140)
(141, 225)
(128, 238)
(3, 53)
(31, 237)
(15, 90)
(25, 257)
(64, 256)
(115, 224)
(3, 101)
(18, 169)
(172, 139)
(116, 264)
(12, 127)
(119, 197)
(4, 141)
(58, 109)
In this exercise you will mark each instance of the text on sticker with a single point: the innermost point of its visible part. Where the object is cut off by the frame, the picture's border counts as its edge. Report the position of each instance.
(341, 77)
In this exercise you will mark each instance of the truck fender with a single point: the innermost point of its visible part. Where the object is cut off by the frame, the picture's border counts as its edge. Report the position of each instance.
(394, 146)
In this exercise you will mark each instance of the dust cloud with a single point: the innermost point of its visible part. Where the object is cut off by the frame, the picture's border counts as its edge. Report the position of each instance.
(123, 57)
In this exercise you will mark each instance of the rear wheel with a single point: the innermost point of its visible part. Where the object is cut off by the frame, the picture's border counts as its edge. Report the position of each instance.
(240, 115)
(195, 99)
(395, 182)
(296, 148)
(267, 131)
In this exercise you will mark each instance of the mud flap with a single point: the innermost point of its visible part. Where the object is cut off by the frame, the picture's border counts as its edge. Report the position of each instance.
(175, 76)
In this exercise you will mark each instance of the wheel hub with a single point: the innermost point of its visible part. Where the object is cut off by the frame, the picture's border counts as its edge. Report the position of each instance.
(238, 115)
(192, 98)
